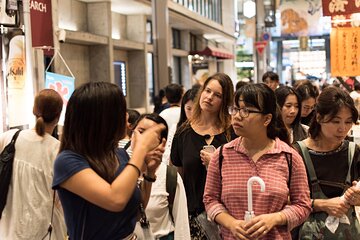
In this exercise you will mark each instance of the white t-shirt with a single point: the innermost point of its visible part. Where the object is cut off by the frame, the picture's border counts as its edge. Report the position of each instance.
(171, 116)
(27, 213)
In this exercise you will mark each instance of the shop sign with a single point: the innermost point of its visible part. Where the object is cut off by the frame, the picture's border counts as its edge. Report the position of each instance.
(345, 51)
(41, 24)
(340, 7)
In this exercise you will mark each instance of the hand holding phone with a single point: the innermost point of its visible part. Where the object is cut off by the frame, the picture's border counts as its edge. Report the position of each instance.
(209, 148)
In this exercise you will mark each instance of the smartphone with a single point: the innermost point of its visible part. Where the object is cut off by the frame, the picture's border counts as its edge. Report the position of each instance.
(209, 148)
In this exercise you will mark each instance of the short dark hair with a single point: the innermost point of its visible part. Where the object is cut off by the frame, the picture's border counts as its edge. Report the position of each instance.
(95, 121)
(262, 97)
(357, 86)
(133, 116)
(173, 93)
(240, 84)
(329, 103)
(306, 90)
(189, 95)
(155, 118)
(272, 75)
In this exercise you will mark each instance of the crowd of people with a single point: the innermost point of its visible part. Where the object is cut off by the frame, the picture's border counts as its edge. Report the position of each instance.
(186, 171)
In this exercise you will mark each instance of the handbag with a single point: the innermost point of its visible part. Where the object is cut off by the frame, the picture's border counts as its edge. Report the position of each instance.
(6, 166)
(314, 227)
(210, 228)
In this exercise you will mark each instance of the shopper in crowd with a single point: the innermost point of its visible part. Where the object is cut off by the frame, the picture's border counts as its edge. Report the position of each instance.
(308, 94)
(271, 79)
(28, 208)
(240, 84)
(96, 181)
(210, 124)
(164, 224)
(160, 102)
(131, 117)
(186, 107)
(328, 153)
(290, 104)
(173, 93)
(260, 150)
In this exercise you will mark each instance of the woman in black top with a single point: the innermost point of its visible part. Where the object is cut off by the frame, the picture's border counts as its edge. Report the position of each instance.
(335, 114)
(209, 125)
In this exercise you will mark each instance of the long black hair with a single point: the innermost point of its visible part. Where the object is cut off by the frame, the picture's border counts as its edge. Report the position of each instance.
(281, 94)
(95, 121)
(261, 96)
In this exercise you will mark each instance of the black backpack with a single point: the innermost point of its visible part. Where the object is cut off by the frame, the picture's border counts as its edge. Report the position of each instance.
(6, 166)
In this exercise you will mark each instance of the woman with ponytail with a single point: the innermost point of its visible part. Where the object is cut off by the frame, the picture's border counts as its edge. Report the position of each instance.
(260, 150)
(27, 212)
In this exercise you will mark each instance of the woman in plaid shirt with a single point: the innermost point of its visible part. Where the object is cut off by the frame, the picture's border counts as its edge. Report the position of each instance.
(260, 151)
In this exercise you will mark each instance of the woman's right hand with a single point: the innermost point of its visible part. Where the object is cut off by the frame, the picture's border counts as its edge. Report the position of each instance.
(334, 206)
(149, 139)
(237, 229)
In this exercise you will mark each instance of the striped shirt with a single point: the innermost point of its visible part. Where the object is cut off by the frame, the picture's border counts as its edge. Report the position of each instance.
(230, 194)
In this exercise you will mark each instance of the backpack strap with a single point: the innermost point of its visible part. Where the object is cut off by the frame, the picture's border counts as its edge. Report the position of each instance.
(171, 184)
(288, 157)
(315, 184)
(221, 158)
(351, 152)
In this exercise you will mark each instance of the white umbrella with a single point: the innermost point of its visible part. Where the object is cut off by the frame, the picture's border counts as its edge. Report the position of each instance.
(250, 213)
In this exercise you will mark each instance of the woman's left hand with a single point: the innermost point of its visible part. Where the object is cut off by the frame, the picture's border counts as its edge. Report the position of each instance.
(154, 157)
(260, 225)
(352, 195)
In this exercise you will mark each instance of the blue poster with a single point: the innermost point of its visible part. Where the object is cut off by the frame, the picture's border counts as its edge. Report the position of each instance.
(64, 85)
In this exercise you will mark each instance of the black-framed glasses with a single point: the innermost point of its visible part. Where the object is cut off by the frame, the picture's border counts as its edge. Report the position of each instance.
(244, 111)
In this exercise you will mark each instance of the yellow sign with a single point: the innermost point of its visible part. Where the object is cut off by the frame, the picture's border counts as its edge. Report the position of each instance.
(345, 51)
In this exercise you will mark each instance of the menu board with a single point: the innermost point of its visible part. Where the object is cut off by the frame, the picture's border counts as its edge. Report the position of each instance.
(345, 51)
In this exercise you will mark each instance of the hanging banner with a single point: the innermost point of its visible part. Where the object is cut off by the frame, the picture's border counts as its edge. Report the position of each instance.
(64, 85)
(340, 7)
(41, 24)
(301, 18)
(344, 51)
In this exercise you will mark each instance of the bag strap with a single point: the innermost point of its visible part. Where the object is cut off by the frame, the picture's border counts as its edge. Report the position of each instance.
(221, 158)
(50, 228)
(288, 157)
(351, 152)
(171, 184)
(310, 168)
(13, 140)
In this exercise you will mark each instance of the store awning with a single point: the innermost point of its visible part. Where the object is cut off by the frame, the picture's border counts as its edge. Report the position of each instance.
(214, 52)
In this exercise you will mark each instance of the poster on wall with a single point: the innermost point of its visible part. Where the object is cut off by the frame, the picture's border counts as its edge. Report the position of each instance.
(301, 18)
(344, 51)
(19, 87)
(64, 85)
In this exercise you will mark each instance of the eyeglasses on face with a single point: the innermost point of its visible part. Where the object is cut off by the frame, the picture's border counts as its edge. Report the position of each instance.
(244, 111)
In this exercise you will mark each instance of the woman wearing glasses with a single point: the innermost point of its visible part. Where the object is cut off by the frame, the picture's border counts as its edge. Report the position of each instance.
(209, 126)
(261, 150)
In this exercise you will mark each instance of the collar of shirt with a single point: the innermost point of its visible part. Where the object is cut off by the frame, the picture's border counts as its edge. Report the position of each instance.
(280, 146)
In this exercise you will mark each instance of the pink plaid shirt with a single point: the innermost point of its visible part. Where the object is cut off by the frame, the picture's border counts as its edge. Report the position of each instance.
(230, 194)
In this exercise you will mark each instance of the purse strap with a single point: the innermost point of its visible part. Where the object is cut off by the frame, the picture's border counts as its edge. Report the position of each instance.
(50, 228)
(315, 183)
